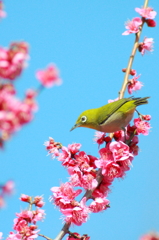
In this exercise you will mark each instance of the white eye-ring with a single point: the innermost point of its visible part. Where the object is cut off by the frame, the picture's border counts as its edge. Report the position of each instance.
(83, 119)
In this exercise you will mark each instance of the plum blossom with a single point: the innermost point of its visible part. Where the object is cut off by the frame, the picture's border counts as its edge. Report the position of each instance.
(8, 187)
(64, 195)
(74, 148)
(13, 60)
(100, 137)
(102, 189)
(49, 77)
(52, 147)
(120, 151)
(38, 201)
(134, 84)
(132, 26)
(13, 112)
(83, 177)
(142, 127)
(98, 205)
(77, 213)
(146, 45)
(25, 223)
(65, 157)
(25, 198)
(146, 12)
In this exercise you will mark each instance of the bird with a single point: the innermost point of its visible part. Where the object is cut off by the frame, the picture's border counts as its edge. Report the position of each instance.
(112, 117)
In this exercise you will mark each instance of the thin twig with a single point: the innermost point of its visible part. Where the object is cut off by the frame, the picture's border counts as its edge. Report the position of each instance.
(131, 58)
(41, 235)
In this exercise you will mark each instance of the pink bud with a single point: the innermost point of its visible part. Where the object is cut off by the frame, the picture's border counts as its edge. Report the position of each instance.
(151, 23)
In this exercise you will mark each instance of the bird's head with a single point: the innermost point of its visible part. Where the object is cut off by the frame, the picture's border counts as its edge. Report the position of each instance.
(86, 119)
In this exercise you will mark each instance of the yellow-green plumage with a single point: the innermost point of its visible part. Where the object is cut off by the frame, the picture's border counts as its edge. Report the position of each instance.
(111, 117)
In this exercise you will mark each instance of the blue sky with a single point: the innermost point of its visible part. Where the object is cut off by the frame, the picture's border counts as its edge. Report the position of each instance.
(83, 38)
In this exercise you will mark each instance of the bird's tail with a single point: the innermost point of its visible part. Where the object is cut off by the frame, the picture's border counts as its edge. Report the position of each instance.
(140, 101)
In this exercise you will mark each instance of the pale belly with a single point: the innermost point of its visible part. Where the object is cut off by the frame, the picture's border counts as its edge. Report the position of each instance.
(116, 122)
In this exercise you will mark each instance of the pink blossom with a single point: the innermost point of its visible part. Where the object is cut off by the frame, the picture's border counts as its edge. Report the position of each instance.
(25, 216)
(88, 181)
(103, 188)
(105, 154)
(64, 195)
(113, 170)
(38, 201)
(74, 148)
(25, 198)
(85, 177)
(98, 205)
(133, 26)
(146, 45)
(13, 60)
(82, 158)
(141, 126)
(120, 151)
(134, 85)
(146, 12)
(100, 137)
(120, 135)
(14, 236)
(1, 234)
(38, 215)
(49, 77)
(52, 147)
(78, 214)
(14, 113)
(8, 188)
(65, 157)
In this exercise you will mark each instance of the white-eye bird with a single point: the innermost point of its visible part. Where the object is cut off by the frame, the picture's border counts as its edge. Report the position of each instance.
(111, 117)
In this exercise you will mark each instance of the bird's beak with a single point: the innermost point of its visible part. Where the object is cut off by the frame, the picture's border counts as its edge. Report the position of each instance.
(75, 126)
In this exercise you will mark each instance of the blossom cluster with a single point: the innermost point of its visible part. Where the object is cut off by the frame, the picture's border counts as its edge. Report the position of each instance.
(13, 60)
(49, 76)
(6, 189)
(25, 224)
(113, 162)
(134, 26)
(14, 113)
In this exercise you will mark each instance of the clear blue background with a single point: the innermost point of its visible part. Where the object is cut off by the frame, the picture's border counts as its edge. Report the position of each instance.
(84, 39)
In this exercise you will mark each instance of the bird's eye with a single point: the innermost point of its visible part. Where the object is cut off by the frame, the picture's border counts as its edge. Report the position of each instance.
(83, 119)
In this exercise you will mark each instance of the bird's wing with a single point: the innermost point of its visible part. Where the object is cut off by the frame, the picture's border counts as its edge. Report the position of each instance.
(109, 109)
